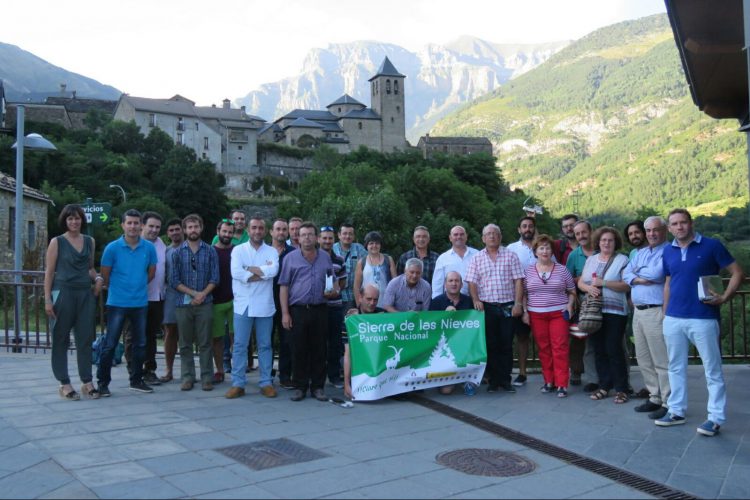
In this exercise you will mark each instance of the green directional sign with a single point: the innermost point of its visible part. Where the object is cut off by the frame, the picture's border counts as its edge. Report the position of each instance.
(97, 213)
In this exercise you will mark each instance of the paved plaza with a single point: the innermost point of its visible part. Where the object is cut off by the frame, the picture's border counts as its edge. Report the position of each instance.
(166, 444)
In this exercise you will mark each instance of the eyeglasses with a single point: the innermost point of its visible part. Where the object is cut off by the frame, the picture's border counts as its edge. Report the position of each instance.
(227, 221)
(326, 228)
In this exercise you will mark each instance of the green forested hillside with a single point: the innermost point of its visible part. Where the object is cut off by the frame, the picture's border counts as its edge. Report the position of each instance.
(607, 128)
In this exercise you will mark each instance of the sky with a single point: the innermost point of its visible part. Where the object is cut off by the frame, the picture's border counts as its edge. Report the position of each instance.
(211, 50)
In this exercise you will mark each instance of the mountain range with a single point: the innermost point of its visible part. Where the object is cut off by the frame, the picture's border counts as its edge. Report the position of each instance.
(439, 78)
(26, 76)
(606, 127)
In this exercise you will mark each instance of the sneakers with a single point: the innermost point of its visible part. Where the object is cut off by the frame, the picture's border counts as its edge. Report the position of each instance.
(268, 391)
(547, 388)
(708, 428)
(151, 378)
(286, 384)
(669, 420)
(520, 381)
(562, 392)
(141, 387)
(508, 388)
(647, 407)
(104, 391)
(235, 392)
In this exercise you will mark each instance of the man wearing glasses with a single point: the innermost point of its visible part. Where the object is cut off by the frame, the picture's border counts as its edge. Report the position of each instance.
(303, 295)
(568, 242)
(195, 274)
(335, 310)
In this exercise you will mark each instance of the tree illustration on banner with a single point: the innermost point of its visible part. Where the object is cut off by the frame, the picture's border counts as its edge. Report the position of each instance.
(442, 357)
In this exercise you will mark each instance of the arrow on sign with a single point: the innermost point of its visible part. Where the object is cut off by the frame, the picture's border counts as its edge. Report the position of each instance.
(103, 217)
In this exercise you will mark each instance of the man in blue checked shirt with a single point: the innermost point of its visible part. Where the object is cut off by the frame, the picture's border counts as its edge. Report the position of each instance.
(645, 275)
(195, 273)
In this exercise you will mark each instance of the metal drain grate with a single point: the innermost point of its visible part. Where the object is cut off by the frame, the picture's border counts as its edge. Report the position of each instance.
(481, 462)
(616, 474)
(272, 453)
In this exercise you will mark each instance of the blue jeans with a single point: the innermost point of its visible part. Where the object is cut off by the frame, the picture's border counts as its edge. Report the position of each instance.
(115, 320)
(679, 333)
(243, 326)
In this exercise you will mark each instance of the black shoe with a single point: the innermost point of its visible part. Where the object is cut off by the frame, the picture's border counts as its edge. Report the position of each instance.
(103, 391)
(319, 395)
(298, 395)
(547, 388)
(151, 378)
(591, 387)
(508, 388)
(141, 387)
(646, 407)
(657, 414)
(520, 381)
(491, 388)
(286, 384)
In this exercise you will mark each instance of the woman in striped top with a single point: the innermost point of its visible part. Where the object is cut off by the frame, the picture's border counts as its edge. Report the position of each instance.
(549, 294)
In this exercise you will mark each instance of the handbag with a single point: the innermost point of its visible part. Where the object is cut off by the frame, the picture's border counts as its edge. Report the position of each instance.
(590, 315)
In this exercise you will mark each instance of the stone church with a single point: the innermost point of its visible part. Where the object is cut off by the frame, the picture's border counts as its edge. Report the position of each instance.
(346, 124)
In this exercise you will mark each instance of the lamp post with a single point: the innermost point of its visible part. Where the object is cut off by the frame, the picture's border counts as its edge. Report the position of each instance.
(117, 186)
(33, 142)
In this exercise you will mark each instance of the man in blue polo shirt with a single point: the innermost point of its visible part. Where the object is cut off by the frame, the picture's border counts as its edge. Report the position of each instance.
(128, 264)
(689, 320)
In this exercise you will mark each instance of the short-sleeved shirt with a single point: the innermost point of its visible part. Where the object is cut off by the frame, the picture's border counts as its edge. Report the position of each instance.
(128, 280)
(550, 293)
(441, 303)
(702, 257)
(576, 261)
(451, 261)
(223, 291)
(400, 295)
(306, 280)
(428, 262)
(156, 287)
(495, 278)
(525, 253)
(351, 257)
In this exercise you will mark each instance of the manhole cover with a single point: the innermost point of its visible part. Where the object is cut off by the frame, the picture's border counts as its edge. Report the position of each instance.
(481, 462)
(272, 453)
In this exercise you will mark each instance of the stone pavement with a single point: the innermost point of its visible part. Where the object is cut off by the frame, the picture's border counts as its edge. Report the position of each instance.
(164, 445)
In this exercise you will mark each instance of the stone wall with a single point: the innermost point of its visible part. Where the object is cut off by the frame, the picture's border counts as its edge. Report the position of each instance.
(34, 231)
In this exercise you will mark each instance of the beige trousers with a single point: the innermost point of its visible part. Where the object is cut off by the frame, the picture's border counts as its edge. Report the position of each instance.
(651, 352)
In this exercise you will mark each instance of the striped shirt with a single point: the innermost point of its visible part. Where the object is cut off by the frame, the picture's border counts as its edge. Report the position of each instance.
(547, 294)
(494, 278)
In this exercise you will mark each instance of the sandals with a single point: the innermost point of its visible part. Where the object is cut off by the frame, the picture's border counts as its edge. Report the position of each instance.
(71, 395)
(166, 378)
(89, 391)
(621, 397)
(599, 394)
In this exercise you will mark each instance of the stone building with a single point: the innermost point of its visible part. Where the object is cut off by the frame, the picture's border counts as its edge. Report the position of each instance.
(35, 224)
(346, 124)
(225, 136)
(453, 145)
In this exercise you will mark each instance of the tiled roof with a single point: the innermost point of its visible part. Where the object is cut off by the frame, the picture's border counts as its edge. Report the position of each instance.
(362, 114)
(345, 99)
(9, 184)
(310, 114)
(387, 69)
(304, 123)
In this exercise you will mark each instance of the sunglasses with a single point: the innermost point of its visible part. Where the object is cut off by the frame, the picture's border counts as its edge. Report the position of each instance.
(227, 221)
(326, 228)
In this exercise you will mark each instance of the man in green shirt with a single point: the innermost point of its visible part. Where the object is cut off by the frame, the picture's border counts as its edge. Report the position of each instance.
(236, 218)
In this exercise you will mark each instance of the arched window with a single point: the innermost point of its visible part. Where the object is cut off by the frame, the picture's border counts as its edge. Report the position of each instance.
(395, 87)
(387, 86)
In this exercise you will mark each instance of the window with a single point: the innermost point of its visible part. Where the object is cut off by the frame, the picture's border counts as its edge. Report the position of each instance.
(196, 126)
(395, 87)
(339, 109)
(239, 147)
(180, 138)
(359, 125)
(180, 124)
(31, 231)
(204, 156)
(398, 108)
(151, 120)
(387, 86)
(205, 143)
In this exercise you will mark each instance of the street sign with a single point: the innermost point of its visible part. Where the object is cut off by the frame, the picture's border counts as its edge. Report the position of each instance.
(97, 213)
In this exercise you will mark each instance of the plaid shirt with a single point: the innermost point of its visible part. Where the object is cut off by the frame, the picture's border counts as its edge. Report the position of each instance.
(351, 257)
(194, 270)
(428, 263)
(495, 279)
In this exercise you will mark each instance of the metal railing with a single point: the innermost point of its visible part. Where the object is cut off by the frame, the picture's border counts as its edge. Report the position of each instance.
(34, 334)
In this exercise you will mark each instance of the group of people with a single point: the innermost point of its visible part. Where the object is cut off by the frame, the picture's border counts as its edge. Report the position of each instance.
(304, 283)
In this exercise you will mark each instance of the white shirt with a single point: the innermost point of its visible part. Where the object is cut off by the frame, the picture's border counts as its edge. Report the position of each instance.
(157, 286)
(254, 299)
(451, 261)
(525, 253)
